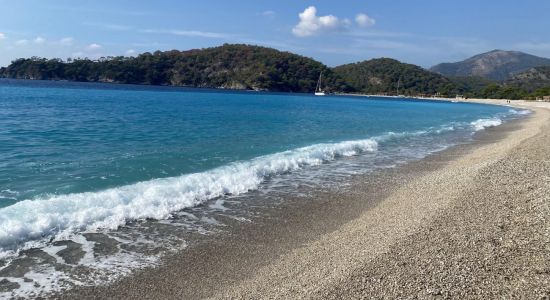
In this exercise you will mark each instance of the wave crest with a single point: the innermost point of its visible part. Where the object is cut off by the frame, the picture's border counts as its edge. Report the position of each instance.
(62, 215)
(485, 123)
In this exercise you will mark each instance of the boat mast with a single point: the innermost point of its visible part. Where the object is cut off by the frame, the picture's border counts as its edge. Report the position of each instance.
(398, 82)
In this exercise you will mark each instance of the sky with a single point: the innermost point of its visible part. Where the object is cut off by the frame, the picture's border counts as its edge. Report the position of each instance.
(421, 32)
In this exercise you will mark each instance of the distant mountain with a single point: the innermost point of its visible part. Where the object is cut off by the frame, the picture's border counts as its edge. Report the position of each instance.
(383, 75)
(494, 65)
(228, 66)
(531, 79)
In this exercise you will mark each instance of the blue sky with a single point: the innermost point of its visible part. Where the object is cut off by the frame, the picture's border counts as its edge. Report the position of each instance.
(423, 32)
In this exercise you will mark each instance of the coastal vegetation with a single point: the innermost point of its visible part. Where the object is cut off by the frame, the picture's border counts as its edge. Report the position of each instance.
(496, 91)
(385, 75)
(227, 66)
(246, 67)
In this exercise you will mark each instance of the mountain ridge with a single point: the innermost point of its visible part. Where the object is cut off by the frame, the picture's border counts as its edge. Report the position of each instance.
(495, 65)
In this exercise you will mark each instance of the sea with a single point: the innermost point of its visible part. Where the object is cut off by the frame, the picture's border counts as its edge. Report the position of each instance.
(98, 180)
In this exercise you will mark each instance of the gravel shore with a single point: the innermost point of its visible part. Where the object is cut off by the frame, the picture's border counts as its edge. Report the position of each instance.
(493, 240)
(471, 222)
(475, 228)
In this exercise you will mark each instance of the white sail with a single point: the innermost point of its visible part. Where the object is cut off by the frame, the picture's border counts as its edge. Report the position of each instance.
(318, 90)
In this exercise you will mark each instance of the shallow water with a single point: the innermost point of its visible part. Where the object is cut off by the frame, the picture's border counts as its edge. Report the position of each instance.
(98, 179)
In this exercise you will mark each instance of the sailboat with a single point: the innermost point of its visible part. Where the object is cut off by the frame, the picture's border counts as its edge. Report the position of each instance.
(398, 84)
(318, 90)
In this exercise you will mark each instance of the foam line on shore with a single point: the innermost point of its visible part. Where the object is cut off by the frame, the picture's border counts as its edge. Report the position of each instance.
(485, 123)
(28, 222)
(62, 215)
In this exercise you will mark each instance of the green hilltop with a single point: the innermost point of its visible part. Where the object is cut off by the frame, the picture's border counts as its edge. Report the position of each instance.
(385, 75)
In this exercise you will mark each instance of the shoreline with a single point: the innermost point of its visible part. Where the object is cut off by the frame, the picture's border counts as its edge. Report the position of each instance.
(502, 102)
(315, 249)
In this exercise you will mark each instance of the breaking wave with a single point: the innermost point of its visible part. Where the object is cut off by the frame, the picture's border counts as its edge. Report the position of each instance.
(485, 123)
(61, 215)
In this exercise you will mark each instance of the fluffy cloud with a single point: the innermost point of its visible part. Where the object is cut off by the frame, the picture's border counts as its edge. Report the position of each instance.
(311, 24)
(93, 47)
(39, 40)
(2, 36)
(68, 41)
(364, 20)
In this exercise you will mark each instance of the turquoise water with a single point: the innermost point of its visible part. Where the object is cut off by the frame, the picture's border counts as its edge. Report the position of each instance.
(77, 157)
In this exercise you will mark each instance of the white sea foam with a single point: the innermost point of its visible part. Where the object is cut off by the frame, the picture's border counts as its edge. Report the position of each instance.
(8, 194)
(485, 123)
(62, 215)
(31, 223)
(27, 223)
(521, 112)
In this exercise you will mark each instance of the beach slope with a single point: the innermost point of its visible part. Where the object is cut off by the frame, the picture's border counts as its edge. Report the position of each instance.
(469, 222)
(476, 227)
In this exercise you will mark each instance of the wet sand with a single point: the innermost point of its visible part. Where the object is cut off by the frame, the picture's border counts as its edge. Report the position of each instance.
(470, 221)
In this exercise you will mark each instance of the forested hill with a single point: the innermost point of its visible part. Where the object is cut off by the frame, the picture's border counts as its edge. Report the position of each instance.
(236, 67)
(260, 68)
(383, 75)
(531, 79)
(227, 66)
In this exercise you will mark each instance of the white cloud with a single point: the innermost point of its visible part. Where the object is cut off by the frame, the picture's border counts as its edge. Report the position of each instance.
(189, 33)
(93, 47)
(39, 40)
(198, 33)
(364, 20)
(22, 42)
(130, 52)
(101, 11)
(108, 26)
(311, 24)
(2, 36)
(268, 13)
(67, 41)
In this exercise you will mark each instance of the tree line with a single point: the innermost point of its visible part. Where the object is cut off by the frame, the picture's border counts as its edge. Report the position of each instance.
(236, 66)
